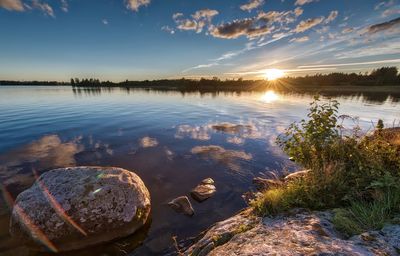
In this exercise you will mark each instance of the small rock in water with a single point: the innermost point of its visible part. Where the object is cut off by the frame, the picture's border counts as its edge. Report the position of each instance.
(182, 205)
(204, 190)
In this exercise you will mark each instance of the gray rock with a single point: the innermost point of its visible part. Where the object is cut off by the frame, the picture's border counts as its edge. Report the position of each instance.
(204, 190)
(72, 208)
(182, 205)
(297, 233)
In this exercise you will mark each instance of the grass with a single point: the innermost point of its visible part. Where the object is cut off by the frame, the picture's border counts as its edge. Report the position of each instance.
(357, 175)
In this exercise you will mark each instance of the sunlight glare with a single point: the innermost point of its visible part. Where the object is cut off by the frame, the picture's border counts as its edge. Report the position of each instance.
(273, 74)
(270, 96)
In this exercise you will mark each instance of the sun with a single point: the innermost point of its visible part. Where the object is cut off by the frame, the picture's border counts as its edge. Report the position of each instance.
(273, 74)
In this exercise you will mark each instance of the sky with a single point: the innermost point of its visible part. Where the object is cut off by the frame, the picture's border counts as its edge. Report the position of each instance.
(165, 39)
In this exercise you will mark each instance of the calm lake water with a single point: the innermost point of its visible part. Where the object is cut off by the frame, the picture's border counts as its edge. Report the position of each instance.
(165, 137)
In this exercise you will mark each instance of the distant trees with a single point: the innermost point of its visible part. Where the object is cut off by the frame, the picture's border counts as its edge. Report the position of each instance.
(380, 76)
(386, 75)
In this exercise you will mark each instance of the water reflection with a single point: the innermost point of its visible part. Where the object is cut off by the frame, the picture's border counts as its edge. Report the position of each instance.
(171, 139)
(270, 96)
(366, 94)
(230, 158)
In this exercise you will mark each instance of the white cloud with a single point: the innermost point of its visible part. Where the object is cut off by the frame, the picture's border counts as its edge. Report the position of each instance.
(168, 29)
(303, 2)
(134, 5)
(307, 24)
(199, 20)
(12, 5)
(300, 39)
(44, 7)
(105, 21)
(252, 4)
(64, 5)
(332, 16)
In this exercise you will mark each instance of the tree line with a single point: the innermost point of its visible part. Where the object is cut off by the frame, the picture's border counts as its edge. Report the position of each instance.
(378, 77)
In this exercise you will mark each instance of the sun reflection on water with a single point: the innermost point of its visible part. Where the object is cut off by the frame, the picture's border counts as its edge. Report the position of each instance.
(270, 96)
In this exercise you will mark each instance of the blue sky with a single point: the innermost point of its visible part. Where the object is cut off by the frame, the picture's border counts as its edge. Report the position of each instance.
(151, 39)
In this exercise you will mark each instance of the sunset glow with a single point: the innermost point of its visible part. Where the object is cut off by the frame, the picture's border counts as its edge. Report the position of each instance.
(273, 74)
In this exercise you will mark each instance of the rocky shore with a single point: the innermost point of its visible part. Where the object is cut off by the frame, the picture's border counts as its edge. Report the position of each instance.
(299, 232)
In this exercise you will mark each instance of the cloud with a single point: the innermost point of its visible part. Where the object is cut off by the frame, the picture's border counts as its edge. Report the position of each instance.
(168, 29)
(352, 64)
(44, 7)
(300, 39)
(307, 24)
(385, 26)
(384, 4)
(347, 30)
(391, 11)
(207, 14)
(134, 5)
(332, 16)
(303, 2)
(64, 5)
(391, 47)
(262, 24)
(199, 20)
(252, 4)
(105, 22)
(12, 5)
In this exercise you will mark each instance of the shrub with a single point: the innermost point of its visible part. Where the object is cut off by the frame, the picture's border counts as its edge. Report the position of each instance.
(360, 173)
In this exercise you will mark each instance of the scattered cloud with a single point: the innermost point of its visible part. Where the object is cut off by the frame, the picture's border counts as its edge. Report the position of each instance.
(385, 26)
(12, 5)
(347, 30)
(197, 22)
(252, 4)
(384, 4)
(105, 22)
(307, 24)
(391, 11)
(262, 24)
(383, 48)
(332, 16)
(303, 2)
(168, 29)
(300, 39)
(352, 64)
(44, 7)
(64, 5)
(134, 5)
(207, 14)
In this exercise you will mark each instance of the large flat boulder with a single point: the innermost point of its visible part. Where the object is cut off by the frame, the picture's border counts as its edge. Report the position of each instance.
(72, 208)
(298, 233)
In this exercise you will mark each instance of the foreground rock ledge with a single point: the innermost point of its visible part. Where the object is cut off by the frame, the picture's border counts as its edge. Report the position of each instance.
(299, 233)
(72, 208)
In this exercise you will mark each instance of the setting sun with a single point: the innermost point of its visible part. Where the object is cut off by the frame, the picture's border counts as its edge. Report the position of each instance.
(273, 74)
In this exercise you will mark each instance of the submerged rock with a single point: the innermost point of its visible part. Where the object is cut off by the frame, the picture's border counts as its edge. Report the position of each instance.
(182, 205)
(204, 190)
(72, 208)
(299, 233)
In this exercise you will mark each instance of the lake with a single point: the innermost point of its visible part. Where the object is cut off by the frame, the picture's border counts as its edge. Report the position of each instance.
(172, 140)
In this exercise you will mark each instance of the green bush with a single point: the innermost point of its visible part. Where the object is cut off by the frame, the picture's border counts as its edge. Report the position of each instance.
(359, 173)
